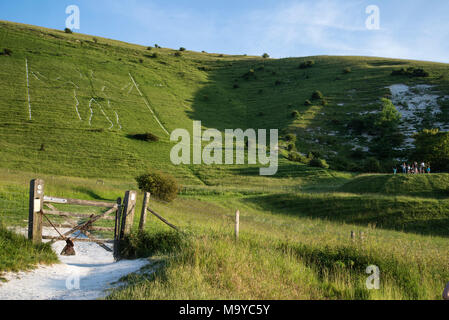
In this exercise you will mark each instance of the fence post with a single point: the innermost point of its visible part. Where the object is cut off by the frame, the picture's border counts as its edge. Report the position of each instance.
(129, 207)
(35, 208)
(118, 214)
(143, 215)
(237, 224)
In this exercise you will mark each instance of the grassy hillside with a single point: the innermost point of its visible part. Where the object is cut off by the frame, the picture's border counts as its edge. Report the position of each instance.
(67, 71)
(89, 95)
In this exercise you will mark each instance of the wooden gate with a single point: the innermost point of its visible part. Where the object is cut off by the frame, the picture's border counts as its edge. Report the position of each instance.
(42, 207)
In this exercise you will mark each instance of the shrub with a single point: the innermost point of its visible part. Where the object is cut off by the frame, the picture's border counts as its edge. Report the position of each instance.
(306, 64)
(296, 157)
(149, 137)
(307, 103)
(154, 55)
(236, 86)
(250, 73)
(291, 146)
(295, 114)
(6, 52)
(182, 49)
(67, 30)
(291, 137)
(317, 95)
(149, 48)
(141, 60)
(160, 185)
(144, 244)
(411, 72)
(178, 54)
(95, 40)
(371, 165)
(277, 82)
(265, 56)
(319, 163)
(347, 70)
(156, 46)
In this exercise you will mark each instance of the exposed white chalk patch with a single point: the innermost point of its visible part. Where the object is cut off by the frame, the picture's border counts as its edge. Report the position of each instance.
(28, 87)
(116, 115)
(102, 111)
(76, 105)
(91, 111)
(102, 89)
(413, 103)
(34, 75)
(41, 75)
(148, 105)
(130, 89)
(117, 119)
(71, 82)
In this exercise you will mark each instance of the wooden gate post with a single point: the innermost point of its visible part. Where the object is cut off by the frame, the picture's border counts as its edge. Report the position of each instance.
(143, 215)
(129, 207)
(35, 209)
(118, 215)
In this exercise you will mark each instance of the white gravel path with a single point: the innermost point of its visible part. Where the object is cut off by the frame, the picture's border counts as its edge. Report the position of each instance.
(85, 276)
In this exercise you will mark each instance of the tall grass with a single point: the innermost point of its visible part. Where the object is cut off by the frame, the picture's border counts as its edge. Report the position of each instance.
(18, 253)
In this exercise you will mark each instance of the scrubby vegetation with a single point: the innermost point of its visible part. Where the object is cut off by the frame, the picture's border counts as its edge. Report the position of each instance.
(161, 185)
(149, 137)
(18, 253)
(410, 72)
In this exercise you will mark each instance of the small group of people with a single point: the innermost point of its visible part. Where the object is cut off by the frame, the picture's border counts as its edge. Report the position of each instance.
(413, 168)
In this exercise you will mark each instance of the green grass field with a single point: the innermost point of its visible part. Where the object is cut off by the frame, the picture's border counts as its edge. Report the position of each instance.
(295, 226)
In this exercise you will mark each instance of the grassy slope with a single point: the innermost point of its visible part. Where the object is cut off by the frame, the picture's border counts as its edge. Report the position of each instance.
(301, 205)
(179, 89)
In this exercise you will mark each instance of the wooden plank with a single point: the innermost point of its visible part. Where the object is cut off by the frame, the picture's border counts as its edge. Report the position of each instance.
(143, 214)
(36, 202)
(162, 219)
(72, 214)
(90, 221)
(77, 239)
(91, 203)
(59, 225)
(67, 225)
(129, 206)
(93, 239)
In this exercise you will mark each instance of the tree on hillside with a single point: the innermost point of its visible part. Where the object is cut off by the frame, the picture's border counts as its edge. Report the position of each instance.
(432, 146)
(389, 118)
(386, 127)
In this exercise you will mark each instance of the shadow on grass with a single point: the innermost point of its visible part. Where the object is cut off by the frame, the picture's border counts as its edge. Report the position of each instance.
(426, 217)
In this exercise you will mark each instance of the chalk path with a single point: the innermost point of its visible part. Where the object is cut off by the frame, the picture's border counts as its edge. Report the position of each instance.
(93, 266)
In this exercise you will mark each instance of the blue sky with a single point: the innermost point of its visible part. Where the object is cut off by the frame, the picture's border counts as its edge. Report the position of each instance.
(412, 29)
